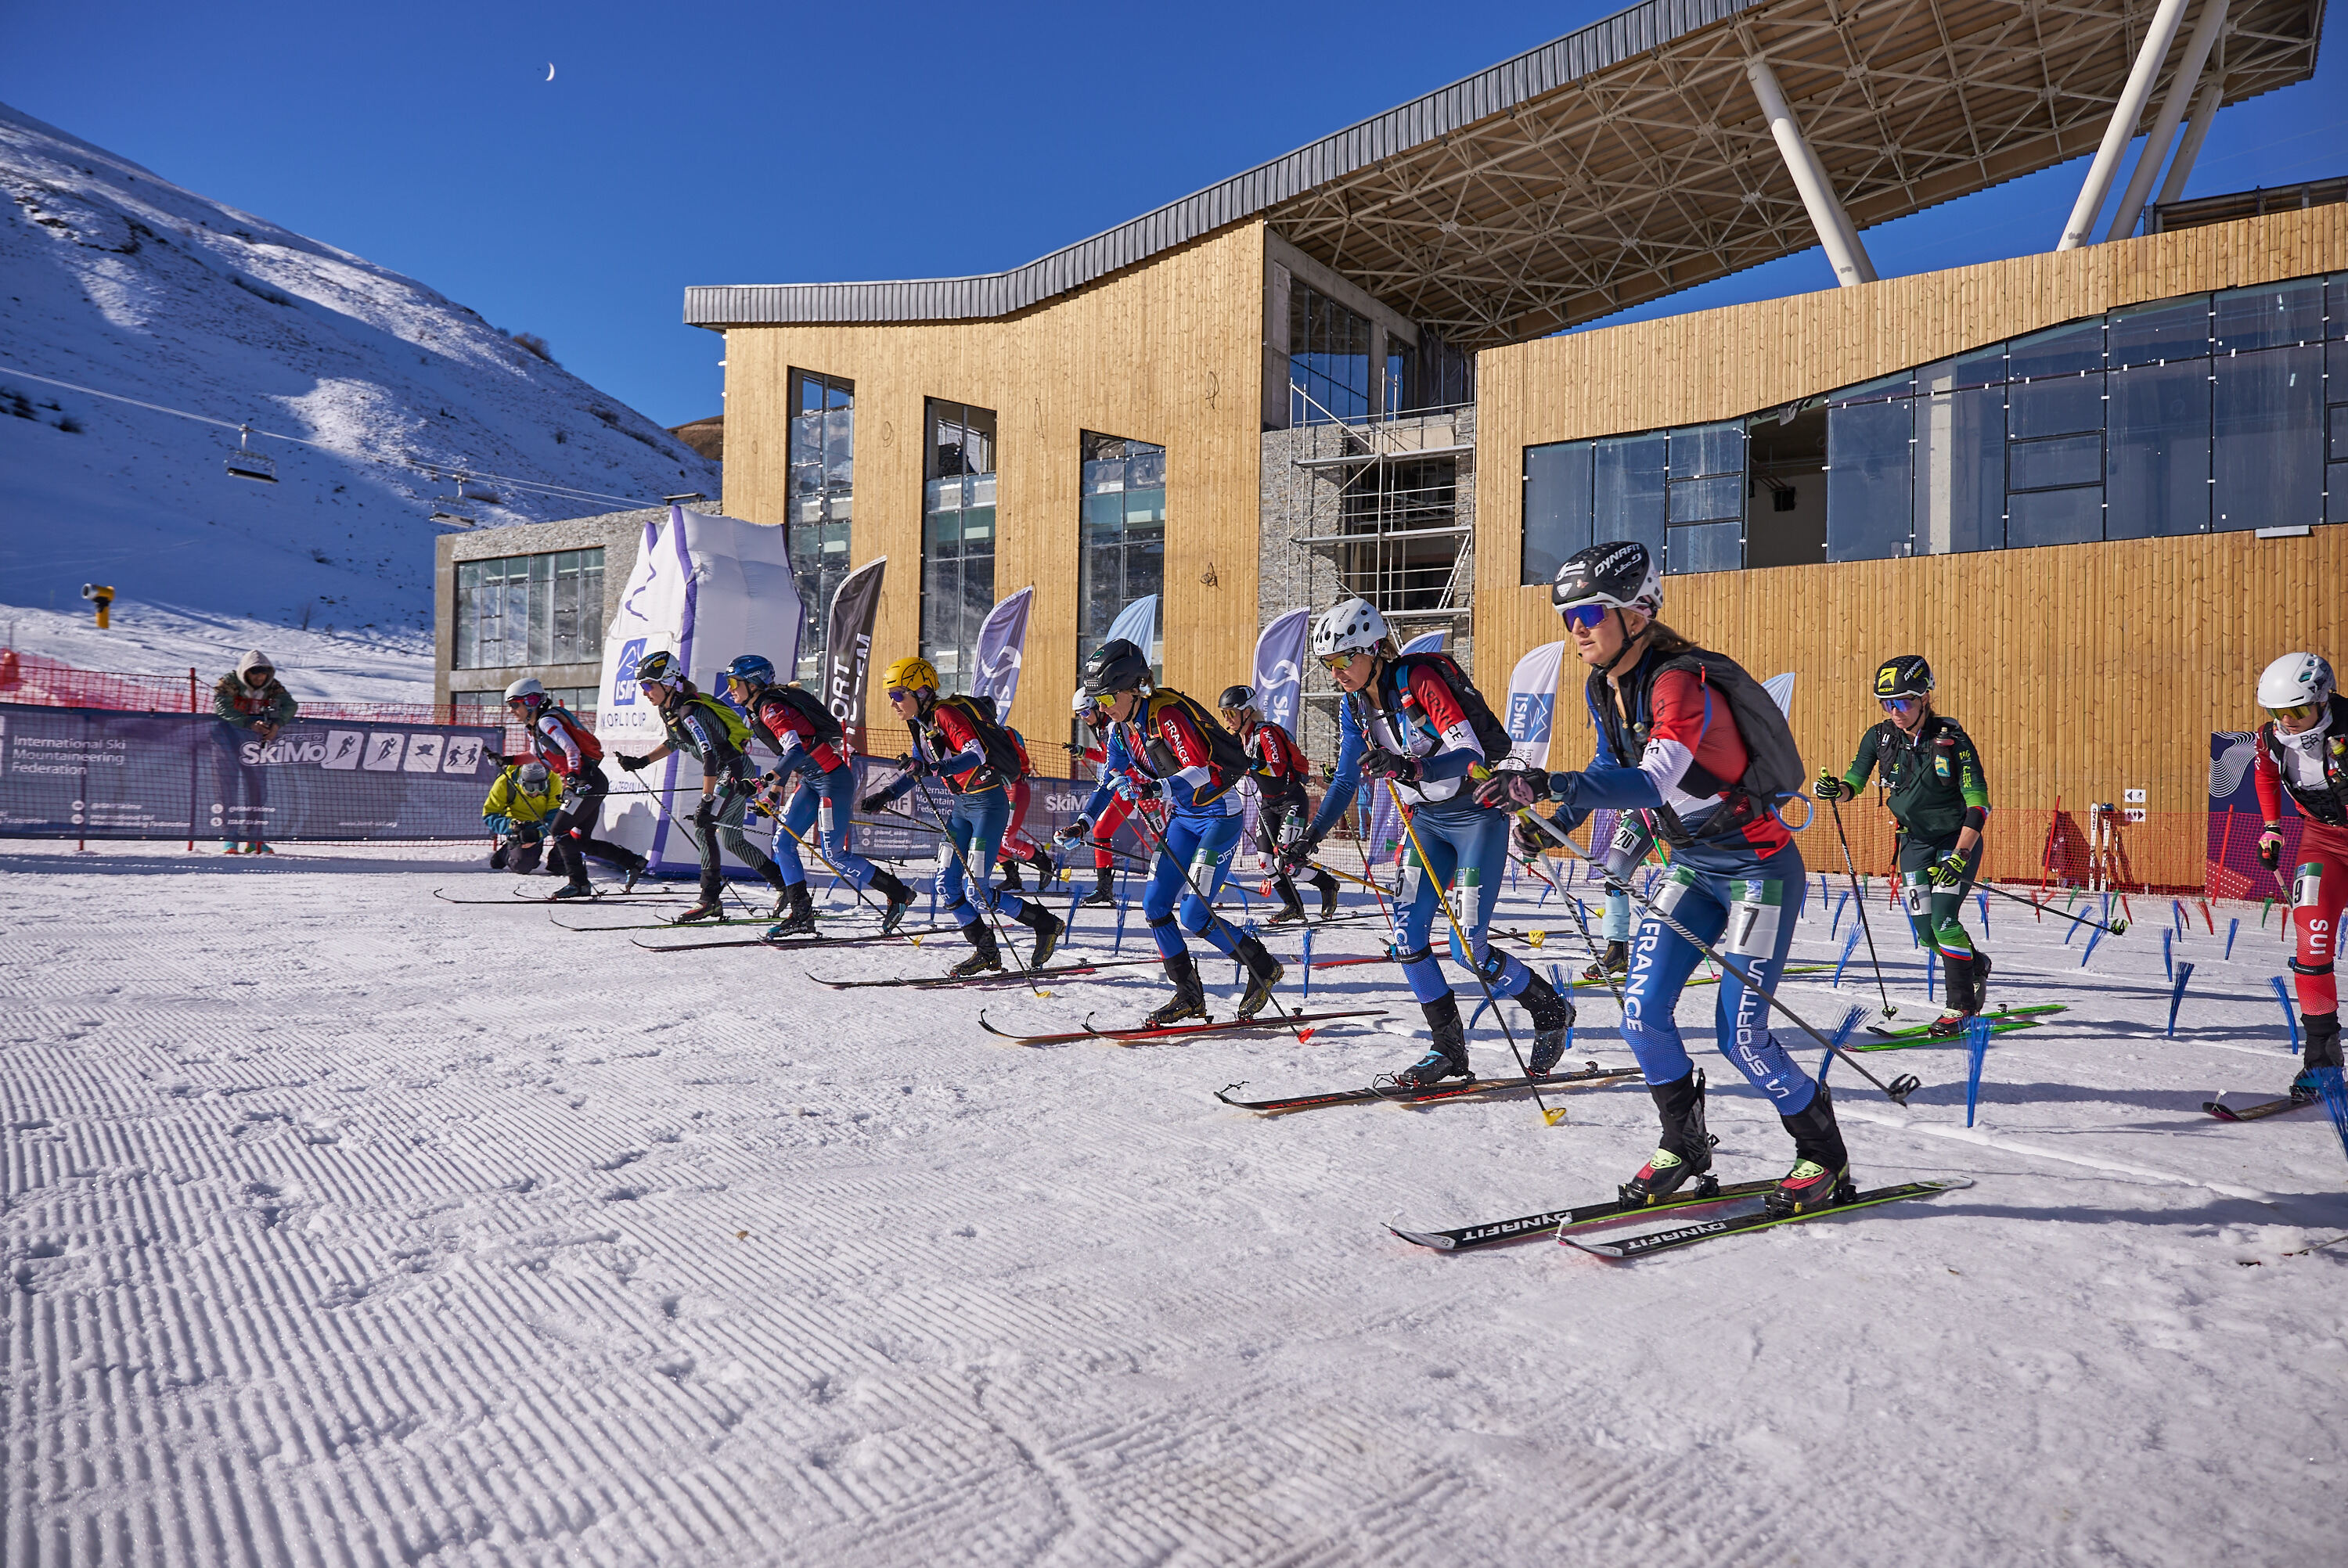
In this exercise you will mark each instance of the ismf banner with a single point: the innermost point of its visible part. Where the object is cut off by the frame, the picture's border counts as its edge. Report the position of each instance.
(94, 773)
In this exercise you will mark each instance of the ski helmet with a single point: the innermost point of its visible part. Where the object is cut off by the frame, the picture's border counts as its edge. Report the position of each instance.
(1237, 699)
(1618, 576)
(532, 776)
(2294, 681)
(1906, 676)
(1350, 626)
(528, 691)
(1118, 666)
(756, 671)
(659, 666)
(910, 673)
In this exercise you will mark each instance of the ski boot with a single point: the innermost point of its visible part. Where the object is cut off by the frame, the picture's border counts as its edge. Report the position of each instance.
(900, 898)
(1821, 1174)
(1292, 907)
(2321, 1031)
(257, 847)
(985, 958)
(1189, 1000)
(635, 874)
(710, 908)
(574, 890)
(1612, 964)
(1552, 1021)
(1962, 1003)
(782, 894)
(1048, 927)
(1328, 886)
(1263, 972)
(1685, 1153)
(1446, 1050)
(796, 912)
(1010, 883)
(232, 847)
(1104, 893)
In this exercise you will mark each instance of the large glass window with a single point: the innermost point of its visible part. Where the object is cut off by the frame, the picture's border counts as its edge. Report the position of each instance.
(2335, 382)
(1960, 459)
(2258, 401)
(1871, 473)
(1627, 472)
(519, 611)
(1121, 552)
(822, 506)
(1557, 507)
(1705, 498)
(957, 538)
(2158, 478)
(1328, 359)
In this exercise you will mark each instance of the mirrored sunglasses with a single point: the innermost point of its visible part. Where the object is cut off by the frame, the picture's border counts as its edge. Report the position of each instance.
(1585, 617)
(1903, 706)
(2296, 710)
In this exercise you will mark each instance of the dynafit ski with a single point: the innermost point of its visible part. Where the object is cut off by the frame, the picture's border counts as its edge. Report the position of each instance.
(2258, 1113)
(793, 944)
(1176, 1031)
(1006, 975)
(1593, 1074)
(2002, 1020)
(1694, 1231)
(1494, 1232)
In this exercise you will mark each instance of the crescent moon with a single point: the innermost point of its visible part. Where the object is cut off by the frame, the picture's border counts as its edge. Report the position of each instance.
(549, 70)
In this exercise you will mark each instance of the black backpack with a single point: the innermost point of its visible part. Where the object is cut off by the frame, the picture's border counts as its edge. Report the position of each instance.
(1224, 751)
(1773, 767)
(1491, 733)
(808, 706)
(1002, 753)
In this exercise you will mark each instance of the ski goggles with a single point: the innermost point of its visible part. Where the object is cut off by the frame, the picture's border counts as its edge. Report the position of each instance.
(2297, 711)
(1338, 664)
(1903, 706)
(1585, 617)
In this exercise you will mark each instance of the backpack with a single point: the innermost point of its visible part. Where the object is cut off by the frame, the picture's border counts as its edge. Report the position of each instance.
(1773, 766)
(1491, 733)
(804, 702)
(580, 736)
(735, 727)
(1224, 752)
(993, 738)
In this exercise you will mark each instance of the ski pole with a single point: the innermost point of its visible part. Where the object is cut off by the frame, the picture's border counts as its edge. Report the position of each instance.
(782, 826)
(1158, 848)
(1890, 1008)
(1468, 950)
(978, 892)
(1897, 1090)
(2114, 928)
(1597, 958)
(660, 805)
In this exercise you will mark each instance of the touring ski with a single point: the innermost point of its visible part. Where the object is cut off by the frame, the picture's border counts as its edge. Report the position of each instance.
(2258, 1113)
(787, 944)
(1469, 1090)
(1007, 976)
(1707, 1230)
(2002, 1020)
(1548, 1220)
(1174, 1031)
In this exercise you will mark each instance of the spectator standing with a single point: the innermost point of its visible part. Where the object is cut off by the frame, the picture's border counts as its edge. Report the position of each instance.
(252, 707)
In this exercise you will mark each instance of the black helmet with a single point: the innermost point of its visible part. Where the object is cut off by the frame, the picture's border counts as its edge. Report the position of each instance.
(659, 666)
(1115, 666)
(1906, 676)
(1618, 576)
(1236, 697)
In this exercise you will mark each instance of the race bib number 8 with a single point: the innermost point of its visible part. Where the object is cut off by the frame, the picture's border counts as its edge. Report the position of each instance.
(1753, 919)
(1915, 894)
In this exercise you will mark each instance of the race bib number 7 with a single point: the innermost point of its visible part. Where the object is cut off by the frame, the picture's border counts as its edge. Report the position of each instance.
(1753, 919)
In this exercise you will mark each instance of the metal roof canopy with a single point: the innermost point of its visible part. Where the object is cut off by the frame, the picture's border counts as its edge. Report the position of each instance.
(1631, 160)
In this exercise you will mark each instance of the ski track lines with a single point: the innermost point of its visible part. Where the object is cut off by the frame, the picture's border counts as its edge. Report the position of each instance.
(425, 1252)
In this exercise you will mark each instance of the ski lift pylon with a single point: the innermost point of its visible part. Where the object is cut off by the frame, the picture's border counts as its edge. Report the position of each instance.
(246, 464)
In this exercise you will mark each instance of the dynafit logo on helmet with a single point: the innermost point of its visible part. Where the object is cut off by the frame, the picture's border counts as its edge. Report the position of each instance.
(1885, 679)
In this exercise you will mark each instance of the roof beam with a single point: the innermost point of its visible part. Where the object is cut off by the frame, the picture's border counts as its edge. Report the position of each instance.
(1848, 256)
(2122, 126)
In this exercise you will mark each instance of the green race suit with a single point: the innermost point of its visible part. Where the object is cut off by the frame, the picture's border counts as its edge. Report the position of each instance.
(1935, 788)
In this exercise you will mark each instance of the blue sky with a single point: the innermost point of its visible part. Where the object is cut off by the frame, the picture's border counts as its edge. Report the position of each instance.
(735, 143)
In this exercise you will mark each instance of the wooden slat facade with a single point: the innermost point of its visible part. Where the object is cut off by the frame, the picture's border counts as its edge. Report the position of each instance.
(2081, 670)
(1169, 353)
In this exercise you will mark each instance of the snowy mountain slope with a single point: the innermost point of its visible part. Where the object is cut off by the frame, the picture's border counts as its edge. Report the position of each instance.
(119, 281)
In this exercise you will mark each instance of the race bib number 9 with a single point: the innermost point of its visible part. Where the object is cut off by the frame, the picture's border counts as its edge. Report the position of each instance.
(1753, 918)
(2307, 887)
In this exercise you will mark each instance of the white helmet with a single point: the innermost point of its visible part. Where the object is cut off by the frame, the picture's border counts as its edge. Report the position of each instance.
(1351, 626)
(1082, 703)
(2294, 679)
(528, 686)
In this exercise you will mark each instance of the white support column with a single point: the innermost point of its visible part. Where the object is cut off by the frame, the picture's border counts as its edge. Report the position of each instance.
(1834, 226)
(2205, 109)
(2164, 125)
(2122, 128)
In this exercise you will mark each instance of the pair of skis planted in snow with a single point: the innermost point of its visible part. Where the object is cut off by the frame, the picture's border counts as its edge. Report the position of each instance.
(1567, 1224)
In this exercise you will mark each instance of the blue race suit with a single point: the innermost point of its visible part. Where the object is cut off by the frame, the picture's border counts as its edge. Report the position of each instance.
(948, 742)
(1738, 886)
(1466, 846)
(1167, 748)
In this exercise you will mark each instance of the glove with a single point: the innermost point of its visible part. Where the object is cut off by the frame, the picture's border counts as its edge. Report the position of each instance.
(500, 826)
(1530, 840)
(1134, 786)
(629, 762)
(706, 813)
(2270, 846)
(766, 794)
(914, 767)
(1380, 763)
(1948, 871)
(1513, 789)
(1830, 786)
(1295, 857)
(868, 803)
(1076, 832)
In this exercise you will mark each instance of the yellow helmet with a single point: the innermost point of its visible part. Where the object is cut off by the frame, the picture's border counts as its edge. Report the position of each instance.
(908, 674)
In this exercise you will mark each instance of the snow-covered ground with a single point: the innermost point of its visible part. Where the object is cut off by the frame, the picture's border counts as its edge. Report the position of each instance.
(114, 278)
(385, 665)
(350, 1225)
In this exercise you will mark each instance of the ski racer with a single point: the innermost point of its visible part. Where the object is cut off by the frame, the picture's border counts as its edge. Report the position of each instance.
(812, 749)
(717, 735)
(1163, 743)
(1283, 808)
(1939, 796)
(956, 739)
(1414, 723)
(2303, 751)
(1627, 849)
(1112, 817)
(524, 796)
(252, 706)
(1687, 736)
(570, 751)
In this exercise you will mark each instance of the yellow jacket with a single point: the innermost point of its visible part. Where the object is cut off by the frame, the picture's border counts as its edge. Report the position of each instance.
(508, 798)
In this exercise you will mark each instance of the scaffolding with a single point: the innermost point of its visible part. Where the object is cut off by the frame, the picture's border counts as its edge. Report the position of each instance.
(1391, 514)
